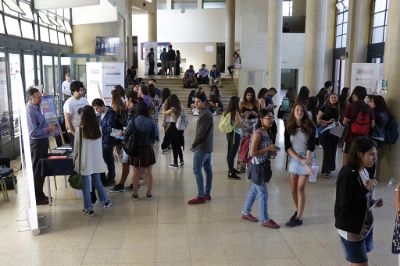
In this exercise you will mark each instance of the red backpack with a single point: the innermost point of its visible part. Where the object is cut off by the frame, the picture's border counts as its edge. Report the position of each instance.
(244, 156)
(361, 124)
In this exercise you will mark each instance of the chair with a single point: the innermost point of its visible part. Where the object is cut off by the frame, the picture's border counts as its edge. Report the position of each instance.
(7, 172)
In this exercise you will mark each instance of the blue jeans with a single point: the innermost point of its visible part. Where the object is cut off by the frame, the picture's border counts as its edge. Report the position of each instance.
(202, 159)
(108, 156)
(87, 199)
(262, 200)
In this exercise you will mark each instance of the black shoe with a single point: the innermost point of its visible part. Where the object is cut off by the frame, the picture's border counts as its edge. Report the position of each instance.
(236, 171)
(174, 165)
(109, 183)
(135, 196)
(293, 216)
(182, 163)
(130, 187)
(294, 222)
(233, 176)
(88, 213)
(118, 188)
(149, 196)
(42, 202)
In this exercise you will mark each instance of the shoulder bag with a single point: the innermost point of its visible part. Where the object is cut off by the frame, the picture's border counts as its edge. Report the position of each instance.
(76, 179)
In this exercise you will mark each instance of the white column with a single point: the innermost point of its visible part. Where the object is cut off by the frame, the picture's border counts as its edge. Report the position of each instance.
(389, 164)
(274, 53)
(199, 4)
(315, 44)
(229, 32)
(128, 37)
(152, 19)
(169, 4)
(357, 35)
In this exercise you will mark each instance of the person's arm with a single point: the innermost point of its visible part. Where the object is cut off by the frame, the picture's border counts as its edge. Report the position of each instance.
(238, 120)
(68, 123)
(111, 123)
(262, 104)
(347, 114)
(397, 199)
(34, 131)
(255, 141)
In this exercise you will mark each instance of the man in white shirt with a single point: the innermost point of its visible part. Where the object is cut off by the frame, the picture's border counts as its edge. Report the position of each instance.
(72, 106)
(66, 86)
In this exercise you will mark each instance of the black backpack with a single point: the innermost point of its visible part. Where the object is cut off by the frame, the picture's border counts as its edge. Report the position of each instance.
(130, 143)
(391, 131)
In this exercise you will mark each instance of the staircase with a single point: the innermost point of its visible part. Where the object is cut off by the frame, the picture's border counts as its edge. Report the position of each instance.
(175, 84)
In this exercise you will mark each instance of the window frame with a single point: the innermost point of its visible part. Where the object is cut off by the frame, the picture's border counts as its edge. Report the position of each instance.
(383, 26)
(343, 24)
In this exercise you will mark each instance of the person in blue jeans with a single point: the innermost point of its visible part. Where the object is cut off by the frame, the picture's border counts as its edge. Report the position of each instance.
(259, 170)
(108, 119)
(91, 159)
(202, 148)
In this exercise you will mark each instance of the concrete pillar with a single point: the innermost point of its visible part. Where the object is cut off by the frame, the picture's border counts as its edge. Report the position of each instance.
(274, 53)
(152, 19)
(229, 32)
(357, 35)
(199, 4)
(299, 8)
(388, 165)
(315, 39)
(128, 33)
(169, 4)
(330, 39)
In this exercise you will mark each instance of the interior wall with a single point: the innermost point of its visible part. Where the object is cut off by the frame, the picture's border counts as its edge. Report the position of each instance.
(84, 37)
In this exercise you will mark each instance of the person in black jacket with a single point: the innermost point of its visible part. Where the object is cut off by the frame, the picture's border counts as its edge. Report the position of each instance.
(353, 215)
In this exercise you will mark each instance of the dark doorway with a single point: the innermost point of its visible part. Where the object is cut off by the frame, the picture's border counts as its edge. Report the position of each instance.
(221, 56)
(135, 51)
(288, 79)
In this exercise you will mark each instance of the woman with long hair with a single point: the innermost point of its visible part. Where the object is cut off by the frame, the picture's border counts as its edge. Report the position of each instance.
(303, 96)
(178, 63)
(118, 106)
(91, 158)
(261, 99)
(233, 137)
(261, 150)
(326, 116)
(299, 144)
(175, 136)
(146, 134)
(354, 189)
(382, 116)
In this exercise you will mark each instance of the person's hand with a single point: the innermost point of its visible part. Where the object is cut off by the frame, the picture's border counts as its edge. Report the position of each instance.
(271, 148)
(192, 149)
(379, 203)
(119, 133)
(370, 184)
(51, 128)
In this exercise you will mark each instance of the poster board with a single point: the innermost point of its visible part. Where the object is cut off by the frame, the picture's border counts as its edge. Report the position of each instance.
(368, 75)
(101, 79)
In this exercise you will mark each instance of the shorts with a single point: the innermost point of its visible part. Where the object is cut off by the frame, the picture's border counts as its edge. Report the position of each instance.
(356, 252)
(145, 158)
(296, 167)
(125, 157)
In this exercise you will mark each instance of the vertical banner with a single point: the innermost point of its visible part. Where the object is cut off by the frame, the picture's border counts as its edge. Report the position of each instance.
(101, 79)
(49, 110)
(25, 149)
(146, 50)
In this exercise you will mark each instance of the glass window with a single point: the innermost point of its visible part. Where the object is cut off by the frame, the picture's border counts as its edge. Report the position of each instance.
(344, 39)
(43, 19)
(287, 8)
(62, 26)
(380, 5)
(184, 4)
(162, 4)
(27, 10)
(379, 19)
(12, 26)
(214, 4)
(341, 22)
(338, 41)
(53, 36)
(377, 35)
(60, 12)
(29, 70)
(5, 123)
(1, 24)
(27, 29)
(44, 34)
(67, 14)
(36, 32)
(68, 39)
(61, 38)
(12, 8)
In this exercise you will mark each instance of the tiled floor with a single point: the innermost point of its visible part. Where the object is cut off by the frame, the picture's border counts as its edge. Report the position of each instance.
(167, 231)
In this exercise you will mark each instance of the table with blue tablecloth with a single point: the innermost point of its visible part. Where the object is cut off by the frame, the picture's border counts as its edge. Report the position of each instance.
(53, 167)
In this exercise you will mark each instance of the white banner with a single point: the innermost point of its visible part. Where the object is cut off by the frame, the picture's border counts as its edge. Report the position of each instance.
(368, 75)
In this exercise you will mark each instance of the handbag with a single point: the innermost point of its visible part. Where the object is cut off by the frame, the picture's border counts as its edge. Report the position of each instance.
(396, 236)
(76, 179)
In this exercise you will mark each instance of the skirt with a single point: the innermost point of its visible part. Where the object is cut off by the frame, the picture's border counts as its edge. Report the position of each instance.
(145, 159)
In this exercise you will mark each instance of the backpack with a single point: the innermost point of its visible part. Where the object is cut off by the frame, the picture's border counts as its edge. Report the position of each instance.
(391, 131)
(183, 121)
(286, 106)
(244, 156)
(225, 124)
(130, 142)
(361, 124)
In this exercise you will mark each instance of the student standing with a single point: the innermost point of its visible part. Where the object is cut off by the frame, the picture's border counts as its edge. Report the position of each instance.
(299, 144)
(259, 172)
(202, 148)
(92, 163)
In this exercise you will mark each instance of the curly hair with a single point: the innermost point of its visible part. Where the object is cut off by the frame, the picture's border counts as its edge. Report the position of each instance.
(306, 123)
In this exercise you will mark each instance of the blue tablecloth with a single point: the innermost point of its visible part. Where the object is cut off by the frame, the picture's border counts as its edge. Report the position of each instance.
(51, 167)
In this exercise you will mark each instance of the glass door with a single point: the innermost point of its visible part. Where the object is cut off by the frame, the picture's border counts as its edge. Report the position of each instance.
(6, 139)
